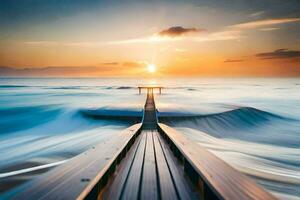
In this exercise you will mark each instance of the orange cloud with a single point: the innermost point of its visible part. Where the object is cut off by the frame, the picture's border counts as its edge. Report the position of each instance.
(233, 60)
(134, 64)
(110, 63)
(54, 71)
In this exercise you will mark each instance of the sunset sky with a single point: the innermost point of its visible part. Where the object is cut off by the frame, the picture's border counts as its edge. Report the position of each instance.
(121, 38)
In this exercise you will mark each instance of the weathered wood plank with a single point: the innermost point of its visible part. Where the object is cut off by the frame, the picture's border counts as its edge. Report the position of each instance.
(167, 187)
(149, 189)
(76, 178)
(131, 187)
(221, 178)
(184, 186)
(149, 117)
(115, 188)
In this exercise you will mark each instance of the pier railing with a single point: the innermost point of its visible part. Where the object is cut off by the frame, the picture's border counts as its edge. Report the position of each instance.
(84, 176)
(214, 178)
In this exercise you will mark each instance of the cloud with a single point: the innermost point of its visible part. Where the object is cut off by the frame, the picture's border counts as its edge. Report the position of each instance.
(220, 36)
(102, 69)
(42, 43)
(176, 31)
(171, 34)
(130, 64)
(134, 64)
(64, 44)
(265, 22)
(110, 63)
(233, 60)
(58, 71)
(279, 54)
(268, 29)
(212, 36)
(149, 39)
(256, 14)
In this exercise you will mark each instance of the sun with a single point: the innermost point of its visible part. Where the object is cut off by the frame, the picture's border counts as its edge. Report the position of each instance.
(151, 68)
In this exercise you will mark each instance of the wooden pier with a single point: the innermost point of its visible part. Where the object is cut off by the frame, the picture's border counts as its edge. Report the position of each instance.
(150, 89)
(146, 161)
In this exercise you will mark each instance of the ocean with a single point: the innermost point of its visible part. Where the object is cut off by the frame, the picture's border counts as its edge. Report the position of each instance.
(253, 124)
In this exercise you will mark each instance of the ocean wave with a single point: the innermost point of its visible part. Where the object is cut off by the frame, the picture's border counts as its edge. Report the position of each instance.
(17, 119)
(20, 118)
(128, 116)
(39, 131)
(67, 88)
(124, 87)
(13, 86)
(117, 87)
(245, 124)
(243, 116)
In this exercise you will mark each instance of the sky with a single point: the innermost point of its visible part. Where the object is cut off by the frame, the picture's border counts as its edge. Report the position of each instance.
(122, 38)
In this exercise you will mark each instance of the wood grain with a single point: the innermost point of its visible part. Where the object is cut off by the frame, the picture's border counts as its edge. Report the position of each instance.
(166, 184)
(149, 185)
(115, 189)
(131, 188)
(184, 187)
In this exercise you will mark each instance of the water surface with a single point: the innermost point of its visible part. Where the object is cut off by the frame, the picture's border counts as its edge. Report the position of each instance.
(252, 124)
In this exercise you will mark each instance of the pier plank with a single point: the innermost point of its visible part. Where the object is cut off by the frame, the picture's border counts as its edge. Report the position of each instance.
(167, 187)
(131, 187)
(184, 186)
(149, 189)
(115, 188)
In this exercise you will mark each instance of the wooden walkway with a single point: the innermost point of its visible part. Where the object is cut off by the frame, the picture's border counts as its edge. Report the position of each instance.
(151, 172)
(149, 117)
(147, 161)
